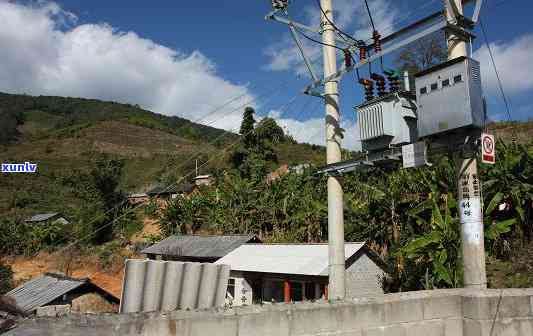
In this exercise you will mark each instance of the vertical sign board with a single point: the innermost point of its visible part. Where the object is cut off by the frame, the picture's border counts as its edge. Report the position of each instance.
(488, 148)
(470, 207)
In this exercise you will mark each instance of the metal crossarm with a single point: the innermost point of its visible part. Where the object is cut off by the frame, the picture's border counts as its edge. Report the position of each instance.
(340, 168)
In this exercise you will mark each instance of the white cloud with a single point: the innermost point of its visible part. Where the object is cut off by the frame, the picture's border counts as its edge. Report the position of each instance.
(45, 52)
(513, 60)
(350, 16)
(314, 131)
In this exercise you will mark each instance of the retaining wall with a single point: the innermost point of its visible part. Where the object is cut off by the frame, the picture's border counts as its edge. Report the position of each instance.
(427, 313)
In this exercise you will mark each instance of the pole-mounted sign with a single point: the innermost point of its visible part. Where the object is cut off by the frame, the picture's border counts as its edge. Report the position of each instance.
(488, 148)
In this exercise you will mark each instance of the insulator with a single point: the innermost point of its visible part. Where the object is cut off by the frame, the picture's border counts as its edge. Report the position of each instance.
(368, 85)
(362, 53)
(280, 4)
(377, 41)
(394, 80)
(380, 83)
(347, 58)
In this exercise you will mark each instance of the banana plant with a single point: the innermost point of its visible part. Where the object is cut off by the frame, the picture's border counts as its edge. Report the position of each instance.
(438, 250)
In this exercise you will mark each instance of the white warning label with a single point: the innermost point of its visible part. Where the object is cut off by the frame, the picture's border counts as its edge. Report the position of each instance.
(471, 219)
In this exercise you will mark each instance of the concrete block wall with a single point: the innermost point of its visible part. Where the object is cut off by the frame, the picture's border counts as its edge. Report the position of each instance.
(427, 313)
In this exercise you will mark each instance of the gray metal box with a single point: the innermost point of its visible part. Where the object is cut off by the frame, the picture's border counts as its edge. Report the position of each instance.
(449, 97)
(387, 121)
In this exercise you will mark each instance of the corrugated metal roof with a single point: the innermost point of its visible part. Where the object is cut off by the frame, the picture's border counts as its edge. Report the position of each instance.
(43, 290)
(172, 189)
(42, 217)
(300, 259)
(198, 246)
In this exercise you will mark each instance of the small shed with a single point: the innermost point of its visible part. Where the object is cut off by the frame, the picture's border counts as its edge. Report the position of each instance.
(171, 191)
(197, 248)
(138, 198)
(57, 290)
(45, 218)
(262, 273)
(203, 180)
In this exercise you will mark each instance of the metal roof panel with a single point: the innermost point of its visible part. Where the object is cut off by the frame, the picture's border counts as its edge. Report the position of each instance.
(43, 290)
(198, 246)
(300, 259)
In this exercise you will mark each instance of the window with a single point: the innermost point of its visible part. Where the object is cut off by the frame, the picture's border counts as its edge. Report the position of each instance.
(310, 291)
(273, 290)
(445, 83)
(297, 293)
(424, 90)
(457, 79)
(434, 86)
(231, 288)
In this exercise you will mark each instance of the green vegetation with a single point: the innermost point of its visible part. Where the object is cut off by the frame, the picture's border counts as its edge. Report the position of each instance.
(83, 112)
(90, 153)
(6, 278)
(409, 217)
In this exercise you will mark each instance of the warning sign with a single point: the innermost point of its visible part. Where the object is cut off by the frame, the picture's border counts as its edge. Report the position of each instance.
(488, 148)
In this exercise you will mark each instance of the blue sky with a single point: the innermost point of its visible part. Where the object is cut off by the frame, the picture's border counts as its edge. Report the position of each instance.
(188, 57)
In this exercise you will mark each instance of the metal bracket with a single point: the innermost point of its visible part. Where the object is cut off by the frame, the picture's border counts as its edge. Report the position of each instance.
(435, 27)
(339, 168)
(302, 52)
(458, 18)
(477, 11)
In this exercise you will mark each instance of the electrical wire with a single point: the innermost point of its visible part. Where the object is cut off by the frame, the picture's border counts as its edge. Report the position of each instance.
(500, 84)
(334, 26)
(316, 41)
(129, 211)
(370, 15)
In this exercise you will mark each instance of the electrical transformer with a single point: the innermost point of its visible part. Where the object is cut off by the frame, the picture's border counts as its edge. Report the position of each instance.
(387, 121)
(449, 97)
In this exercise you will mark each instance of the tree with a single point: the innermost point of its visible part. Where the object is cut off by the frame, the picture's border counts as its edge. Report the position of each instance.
(269, 130)
(248, 124)
(423, 53)
(6, 278)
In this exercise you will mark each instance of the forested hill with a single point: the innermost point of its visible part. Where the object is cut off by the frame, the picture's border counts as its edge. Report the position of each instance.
(64, 112)
(65, 136)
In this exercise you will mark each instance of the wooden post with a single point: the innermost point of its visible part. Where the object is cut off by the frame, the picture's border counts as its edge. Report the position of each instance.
(287, 291)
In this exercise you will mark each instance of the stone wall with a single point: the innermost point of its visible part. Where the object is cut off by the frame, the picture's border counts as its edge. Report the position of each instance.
(427, 313)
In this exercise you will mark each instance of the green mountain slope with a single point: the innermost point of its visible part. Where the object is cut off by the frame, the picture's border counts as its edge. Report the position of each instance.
(64, 135)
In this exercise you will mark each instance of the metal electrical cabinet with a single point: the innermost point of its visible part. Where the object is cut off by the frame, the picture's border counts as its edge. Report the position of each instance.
(387, 121)
(449, 97)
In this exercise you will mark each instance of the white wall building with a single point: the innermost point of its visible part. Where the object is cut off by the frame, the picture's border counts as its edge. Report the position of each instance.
(262, 273)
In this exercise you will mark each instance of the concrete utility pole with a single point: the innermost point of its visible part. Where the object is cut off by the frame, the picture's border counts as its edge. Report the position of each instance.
(469, 193)
(337, 285)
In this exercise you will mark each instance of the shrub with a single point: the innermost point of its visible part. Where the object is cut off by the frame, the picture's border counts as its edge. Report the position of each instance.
(6, 278)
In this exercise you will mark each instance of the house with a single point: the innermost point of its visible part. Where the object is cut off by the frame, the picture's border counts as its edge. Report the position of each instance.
(138, 198)
(286, 169)
(56, 294)
(46, 218)
(203, 180)
(262, 273)
(197, 248)
(171, 192)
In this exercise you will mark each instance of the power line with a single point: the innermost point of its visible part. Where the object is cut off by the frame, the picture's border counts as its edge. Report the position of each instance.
(334, 26)
(316, 41)
(129, 211)
(500, 84)
(370, 15)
